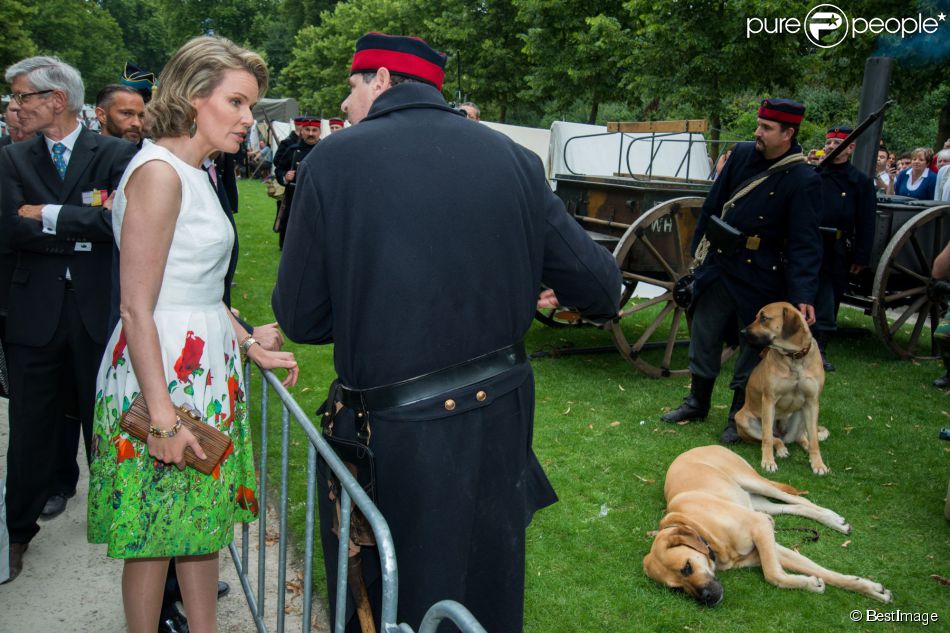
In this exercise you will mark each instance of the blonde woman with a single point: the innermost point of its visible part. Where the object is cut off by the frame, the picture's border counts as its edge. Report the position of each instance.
(177, 344)
(917, 181)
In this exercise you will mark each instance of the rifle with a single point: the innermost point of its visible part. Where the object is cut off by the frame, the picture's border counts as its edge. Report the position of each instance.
(865, 124)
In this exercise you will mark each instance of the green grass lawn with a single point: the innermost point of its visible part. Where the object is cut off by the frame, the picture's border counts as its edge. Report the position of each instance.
(598, 435)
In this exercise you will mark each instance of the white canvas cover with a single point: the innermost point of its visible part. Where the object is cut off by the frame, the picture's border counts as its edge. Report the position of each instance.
(599, 155)
(535, 139)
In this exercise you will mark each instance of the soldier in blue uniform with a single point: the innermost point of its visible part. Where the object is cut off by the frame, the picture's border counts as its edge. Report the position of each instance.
(757, 237)
(290, 139)
(389, 221)
(282, 146)
(285, 168)
(846, 217)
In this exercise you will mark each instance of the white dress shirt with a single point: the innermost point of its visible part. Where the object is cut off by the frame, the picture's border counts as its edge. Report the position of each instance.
(50, 212)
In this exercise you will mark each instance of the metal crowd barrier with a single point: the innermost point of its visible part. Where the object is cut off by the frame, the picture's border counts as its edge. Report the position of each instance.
(444, 610)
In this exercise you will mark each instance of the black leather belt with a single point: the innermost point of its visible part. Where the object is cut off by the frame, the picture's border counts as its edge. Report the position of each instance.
(831, 233)
(426, 386)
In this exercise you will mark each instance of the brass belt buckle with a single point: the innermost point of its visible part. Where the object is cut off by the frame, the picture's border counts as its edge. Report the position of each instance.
(752, 242)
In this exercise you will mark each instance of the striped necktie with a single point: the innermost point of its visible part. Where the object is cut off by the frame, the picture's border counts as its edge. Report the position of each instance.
(58, 160)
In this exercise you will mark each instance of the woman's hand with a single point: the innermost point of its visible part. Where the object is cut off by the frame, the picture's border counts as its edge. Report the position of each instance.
(171, 450)
(266, 359)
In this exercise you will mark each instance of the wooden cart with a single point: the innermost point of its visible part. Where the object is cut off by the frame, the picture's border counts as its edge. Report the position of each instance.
(648, 224)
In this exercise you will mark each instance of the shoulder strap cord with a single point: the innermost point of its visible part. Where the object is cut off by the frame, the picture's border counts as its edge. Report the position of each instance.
(744, 189)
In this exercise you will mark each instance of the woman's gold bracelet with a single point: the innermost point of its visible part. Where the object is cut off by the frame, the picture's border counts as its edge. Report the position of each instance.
(161, 433)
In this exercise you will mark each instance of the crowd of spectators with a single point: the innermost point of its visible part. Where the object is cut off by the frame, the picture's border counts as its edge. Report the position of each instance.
(920, 173)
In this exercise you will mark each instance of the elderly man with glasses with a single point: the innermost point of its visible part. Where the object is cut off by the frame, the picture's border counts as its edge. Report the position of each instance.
(56, 218)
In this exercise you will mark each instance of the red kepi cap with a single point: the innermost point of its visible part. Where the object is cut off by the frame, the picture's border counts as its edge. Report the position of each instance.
(839, 131)
(782, 110)
(409, 56)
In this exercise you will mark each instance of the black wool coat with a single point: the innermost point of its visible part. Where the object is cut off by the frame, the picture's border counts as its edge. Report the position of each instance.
(848, 203)
(783, 212)
(419, 239)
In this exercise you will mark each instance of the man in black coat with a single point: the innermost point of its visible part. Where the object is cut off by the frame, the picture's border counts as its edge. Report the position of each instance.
(284, 145)
(767, 250)
(56, 214)
(290, 139)
(388, 216)
(285, 168)
(846, 215)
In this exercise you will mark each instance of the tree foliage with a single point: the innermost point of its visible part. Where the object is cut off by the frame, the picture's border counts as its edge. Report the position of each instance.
(145, 33)
(691, 56)
(531, 61)
(17, 40)
(74, 31)
(575, 51)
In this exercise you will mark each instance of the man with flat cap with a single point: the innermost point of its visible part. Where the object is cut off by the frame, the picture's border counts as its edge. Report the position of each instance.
(285, 168)
(756, 242)
(386, 215)
(336, 125)
(846, 217)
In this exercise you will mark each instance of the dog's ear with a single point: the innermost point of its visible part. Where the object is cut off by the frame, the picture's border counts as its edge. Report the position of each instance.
(791, 323)
(689, 538)
(683, 534)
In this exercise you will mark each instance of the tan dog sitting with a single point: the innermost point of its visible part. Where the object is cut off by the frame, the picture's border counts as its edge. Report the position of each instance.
(781, 397)
(718, 518)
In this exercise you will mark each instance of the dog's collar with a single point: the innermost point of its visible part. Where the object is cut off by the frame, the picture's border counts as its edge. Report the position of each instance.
(797, 355)
(800, 353)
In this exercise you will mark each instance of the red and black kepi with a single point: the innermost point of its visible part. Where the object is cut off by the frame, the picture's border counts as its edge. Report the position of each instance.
(839, 131)
(782, 110)
(409, 56)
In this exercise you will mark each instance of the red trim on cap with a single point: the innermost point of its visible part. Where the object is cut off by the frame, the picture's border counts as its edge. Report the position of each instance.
(403, 63)
(836, 134)
(781, 117)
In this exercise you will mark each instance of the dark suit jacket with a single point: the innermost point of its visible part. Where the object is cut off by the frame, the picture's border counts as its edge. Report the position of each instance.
(36, 292)
(7, 259)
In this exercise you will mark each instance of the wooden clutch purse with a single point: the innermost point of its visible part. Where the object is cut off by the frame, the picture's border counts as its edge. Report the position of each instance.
(136, 423)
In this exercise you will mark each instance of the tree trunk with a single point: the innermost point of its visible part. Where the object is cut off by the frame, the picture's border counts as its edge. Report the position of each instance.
(502, 112)
(714, 123)
(594, 106)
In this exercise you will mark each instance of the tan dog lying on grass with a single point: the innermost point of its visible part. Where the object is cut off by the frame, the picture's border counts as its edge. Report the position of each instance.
(718, 517)
(781, 397)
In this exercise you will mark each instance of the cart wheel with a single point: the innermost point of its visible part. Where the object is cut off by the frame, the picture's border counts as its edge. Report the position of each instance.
(904, 301)
(569, 317)
(653, 334)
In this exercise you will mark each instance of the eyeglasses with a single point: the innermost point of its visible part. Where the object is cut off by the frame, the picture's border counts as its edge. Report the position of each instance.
(20, 97)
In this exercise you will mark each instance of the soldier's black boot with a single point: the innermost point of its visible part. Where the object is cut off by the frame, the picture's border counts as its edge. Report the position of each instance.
(696, 405)
(821, 338)
(729, 434)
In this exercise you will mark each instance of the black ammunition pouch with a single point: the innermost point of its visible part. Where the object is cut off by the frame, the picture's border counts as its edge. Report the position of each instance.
(724, 237)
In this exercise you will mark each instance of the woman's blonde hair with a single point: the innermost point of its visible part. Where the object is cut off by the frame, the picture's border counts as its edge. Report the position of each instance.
(195, 71)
